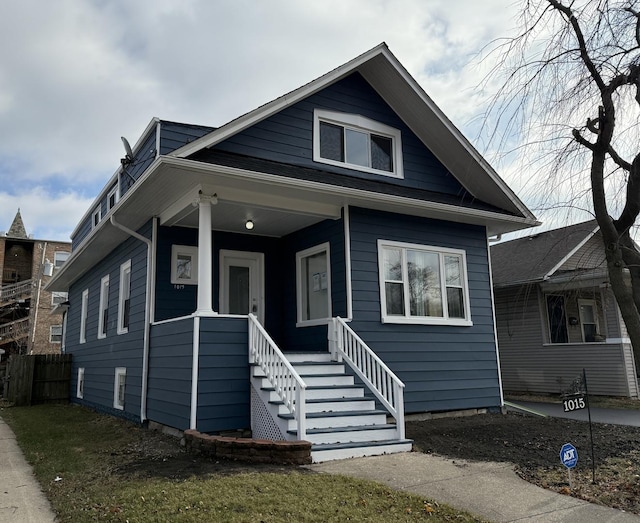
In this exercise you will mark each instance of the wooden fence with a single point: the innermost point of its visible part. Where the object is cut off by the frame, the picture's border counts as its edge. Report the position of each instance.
(43, 378)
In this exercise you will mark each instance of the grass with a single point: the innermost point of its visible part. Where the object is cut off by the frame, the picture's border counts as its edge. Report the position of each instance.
(97, 468)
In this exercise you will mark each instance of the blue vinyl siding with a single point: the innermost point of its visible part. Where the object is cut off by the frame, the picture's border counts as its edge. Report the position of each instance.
(313, 337)
(174, 135)
(223, 384)
(100, 357)
(288, 137)
(443, 367)
(170, 365)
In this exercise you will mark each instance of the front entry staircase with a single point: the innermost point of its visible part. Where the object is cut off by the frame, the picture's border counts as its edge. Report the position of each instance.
(315, 397)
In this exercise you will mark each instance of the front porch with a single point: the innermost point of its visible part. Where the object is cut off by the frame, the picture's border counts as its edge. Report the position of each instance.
(214, 374)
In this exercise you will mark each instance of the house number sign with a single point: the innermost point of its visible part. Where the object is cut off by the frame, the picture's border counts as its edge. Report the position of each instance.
(575, 403)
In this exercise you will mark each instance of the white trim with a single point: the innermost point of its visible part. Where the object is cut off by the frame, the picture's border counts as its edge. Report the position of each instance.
(256, 284)
(84, 311)
(594, 307)
(363, 124)
(65, 315)
(366, 63)
(571, 253)
(80, 383)
(300, 256)
(97, 211)
(347, 259)
(616, 340)
(51, 334)
(424, 320)
(195, 368)
(125, 272)
(115, 191)
(184, 250)
(119, 372)
(104, 304)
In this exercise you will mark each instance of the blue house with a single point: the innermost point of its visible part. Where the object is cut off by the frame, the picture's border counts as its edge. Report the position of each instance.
(314, 269)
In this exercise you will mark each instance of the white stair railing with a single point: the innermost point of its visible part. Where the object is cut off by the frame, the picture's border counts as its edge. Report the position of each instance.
(345, 344)
(288, 384)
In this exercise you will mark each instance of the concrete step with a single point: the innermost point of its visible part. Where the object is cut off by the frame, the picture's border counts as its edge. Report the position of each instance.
(333, 451)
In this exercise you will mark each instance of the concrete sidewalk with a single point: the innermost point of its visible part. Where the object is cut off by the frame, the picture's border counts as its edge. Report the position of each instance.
(488, 490)
(21, 499)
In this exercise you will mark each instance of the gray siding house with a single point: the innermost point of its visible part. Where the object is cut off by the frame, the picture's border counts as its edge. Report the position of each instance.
(556, 314)
(314, 269)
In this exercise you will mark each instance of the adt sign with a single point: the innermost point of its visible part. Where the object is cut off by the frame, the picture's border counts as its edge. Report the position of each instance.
(569, 455)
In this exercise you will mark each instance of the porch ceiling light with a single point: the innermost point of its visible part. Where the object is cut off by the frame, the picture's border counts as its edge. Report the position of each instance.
(249, 224)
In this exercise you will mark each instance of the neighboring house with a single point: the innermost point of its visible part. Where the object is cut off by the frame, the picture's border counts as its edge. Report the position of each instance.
(211, 250)
(556, 314)
(27, 325)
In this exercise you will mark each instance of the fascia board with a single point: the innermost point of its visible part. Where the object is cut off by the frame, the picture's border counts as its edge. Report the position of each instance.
(571, 253)
(114, 177)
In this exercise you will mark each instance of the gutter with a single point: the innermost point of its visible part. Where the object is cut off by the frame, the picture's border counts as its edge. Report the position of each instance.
(147, 310)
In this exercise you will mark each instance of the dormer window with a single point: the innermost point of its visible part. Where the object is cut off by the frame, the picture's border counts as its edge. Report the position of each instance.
(356, 142)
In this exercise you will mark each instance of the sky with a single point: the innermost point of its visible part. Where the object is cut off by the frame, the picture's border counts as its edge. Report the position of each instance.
(76, 75)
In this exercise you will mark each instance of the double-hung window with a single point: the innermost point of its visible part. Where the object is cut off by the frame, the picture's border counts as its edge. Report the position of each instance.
(59, 297)
(423, 284)
(357, 142)
(96, 216)
(55, 334)
(103, 318)
(59, 257)
(125, 298)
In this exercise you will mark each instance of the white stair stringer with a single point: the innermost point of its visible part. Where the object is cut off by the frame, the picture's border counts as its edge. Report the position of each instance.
(341, 422)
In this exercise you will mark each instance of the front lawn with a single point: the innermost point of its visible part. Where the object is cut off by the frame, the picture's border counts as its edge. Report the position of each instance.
(94, 467)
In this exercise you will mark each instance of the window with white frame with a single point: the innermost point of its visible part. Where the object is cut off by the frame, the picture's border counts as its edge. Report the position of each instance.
(124, 299)
(313, 278)
(589, 321)
(103, 316)
(59, 257)
(112, 198)
(80, 384)
(119, 386)
(184, 264)
(55, 334)
(59, 297)
(423, 284)
(65, 315)
(96, 216)
(357, 142)
(84, 308)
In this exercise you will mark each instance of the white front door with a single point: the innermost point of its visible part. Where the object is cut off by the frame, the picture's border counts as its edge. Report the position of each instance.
(242, 283)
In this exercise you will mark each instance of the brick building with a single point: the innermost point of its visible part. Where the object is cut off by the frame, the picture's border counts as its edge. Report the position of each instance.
(28, 322)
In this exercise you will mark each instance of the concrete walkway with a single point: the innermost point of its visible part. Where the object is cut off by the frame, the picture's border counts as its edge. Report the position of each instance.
(488, 490)
(21, 500)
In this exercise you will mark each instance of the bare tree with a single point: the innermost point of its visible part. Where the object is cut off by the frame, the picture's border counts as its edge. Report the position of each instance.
(570, 85)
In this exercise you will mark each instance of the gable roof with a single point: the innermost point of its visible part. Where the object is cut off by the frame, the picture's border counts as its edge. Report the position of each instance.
(538, 257)
(382, 70)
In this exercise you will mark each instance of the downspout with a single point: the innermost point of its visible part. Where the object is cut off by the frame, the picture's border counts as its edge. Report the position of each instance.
(495, 325)
(147, 310)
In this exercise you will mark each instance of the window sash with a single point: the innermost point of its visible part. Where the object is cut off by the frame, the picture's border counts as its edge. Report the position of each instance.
(55, 334)
(124, 299)
(83, 316)
(104, 307)
(423, 284)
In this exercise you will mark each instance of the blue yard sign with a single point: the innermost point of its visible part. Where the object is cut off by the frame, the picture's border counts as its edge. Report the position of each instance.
(569, 455)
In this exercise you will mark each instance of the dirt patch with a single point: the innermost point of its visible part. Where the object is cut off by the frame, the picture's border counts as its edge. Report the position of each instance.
(533, 445)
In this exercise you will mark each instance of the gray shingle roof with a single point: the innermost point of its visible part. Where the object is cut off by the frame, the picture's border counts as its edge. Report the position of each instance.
(531, 258)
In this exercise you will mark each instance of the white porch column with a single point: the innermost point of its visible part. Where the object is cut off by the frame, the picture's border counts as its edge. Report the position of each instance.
(205, 255)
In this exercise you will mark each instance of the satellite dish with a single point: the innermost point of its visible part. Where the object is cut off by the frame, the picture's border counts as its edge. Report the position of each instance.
(128, 159)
